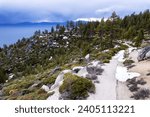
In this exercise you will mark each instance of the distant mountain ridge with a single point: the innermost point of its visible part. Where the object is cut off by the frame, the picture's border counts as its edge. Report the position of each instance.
(33, 23)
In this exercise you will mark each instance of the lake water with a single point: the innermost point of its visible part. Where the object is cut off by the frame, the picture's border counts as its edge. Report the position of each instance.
(10, 34)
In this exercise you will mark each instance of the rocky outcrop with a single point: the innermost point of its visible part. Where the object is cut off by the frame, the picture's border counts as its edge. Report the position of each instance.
(144, 54)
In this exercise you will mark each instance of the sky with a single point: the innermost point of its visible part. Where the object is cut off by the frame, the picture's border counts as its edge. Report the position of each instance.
(16, 11)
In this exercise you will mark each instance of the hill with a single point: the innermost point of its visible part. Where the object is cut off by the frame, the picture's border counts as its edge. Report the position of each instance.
(38, 61)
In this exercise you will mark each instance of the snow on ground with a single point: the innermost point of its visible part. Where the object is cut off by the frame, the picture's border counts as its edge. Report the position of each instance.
(122, 74)
(120, 56)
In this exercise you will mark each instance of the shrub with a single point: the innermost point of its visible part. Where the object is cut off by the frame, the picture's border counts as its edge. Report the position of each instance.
(128, 62)
(141, 94)
(133, 88)
(75, 87)
(3, 76)
(51, 79)
(37, 95)
(105, 61)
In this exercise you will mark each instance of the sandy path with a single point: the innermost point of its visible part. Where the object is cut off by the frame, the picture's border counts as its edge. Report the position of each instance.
(109, 87)
(106, 90)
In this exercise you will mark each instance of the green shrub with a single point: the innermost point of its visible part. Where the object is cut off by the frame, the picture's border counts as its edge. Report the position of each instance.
(50, 80)
(128, 62)
(76, 87)
(3, 76)
(105, 61)
(39, 94)
(123, 47)
(103, 56)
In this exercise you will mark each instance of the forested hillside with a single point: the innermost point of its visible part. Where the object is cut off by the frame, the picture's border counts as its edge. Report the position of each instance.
(67, 45)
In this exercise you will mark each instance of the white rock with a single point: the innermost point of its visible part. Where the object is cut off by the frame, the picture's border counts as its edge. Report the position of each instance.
(11, 76)
(147, 55)
(45, 88)
(50, 58)
(65, 37)
(59, 79)
(87, 57)
(83, 72)
(78, 67)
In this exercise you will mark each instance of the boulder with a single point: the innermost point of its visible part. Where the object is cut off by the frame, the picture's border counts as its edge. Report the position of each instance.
(77, 69)
(87, 58)
(36, 84)
(144, 53)
(91, 76)
(45, 88)
(94, 70)
(57, 68)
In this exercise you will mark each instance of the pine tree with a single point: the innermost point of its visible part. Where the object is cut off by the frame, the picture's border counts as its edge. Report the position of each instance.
(139, 38)
(3, 75)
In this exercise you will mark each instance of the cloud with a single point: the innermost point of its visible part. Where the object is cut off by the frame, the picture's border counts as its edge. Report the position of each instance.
(62, 10)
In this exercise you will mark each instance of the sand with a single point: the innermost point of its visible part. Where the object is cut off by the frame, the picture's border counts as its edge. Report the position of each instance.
(106, 89)
(142, 67)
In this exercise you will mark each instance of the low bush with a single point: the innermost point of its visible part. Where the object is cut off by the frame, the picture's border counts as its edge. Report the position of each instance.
(128, 62)
(37, 95)
(3, 76)
(75, 87)
(141, 94)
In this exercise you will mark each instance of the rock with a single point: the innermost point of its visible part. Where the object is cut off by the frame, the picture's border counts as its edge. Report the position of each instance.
(144, 54)
(94, 70)
(36, 84)
(45, 88)
(65, 96)
(97, 81)
(59, 78)
(54, 70)
(11, 76)
(77, 69)
(91, 76)
(83, 72)
(87, 58)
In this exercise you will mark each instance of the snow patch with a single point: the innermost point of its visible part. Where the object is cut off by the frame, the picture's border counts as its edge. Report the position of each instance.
(120, 56)
(122, 74)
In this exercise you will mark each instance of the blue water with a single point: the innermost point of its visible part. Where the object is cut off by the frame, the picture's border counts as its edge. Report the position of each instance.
(10, 34)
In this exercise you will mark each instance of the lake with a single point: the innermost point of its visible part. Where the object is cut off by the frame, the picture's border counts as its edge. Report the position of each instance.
(9, 34)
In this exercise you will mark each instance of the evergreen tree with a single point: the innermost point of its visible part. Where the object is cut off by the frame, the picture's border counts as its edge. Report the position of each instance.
(3, 75)
(139, 38)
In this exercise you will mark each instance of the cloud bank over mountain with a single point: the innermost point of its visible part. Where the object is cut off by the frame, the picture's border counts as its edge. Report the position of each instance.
(14, 11)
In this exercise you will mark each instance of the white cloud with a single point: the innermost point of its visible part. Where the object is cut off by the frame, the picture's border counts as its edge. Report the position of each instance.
(54, 10)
